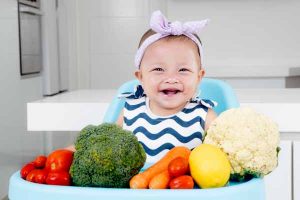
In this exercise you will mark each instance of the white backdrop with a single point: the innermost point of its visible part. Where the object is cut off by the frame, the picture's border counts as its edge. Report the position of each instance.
(257, 37)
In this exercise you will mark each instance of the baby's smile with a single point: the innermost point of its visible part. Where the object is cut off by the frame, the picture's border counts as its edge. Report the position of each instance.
(170, 91)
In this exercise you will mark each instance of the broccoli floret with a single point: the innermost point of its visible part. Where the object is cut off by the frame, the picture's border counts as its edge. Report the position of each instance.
(106, 156)
(84, 134)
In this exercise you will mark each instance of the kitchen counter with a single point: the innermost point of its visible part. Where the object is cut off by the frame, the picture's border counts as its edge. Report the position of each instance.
(282, 105)
(71, 111)
(250, 71)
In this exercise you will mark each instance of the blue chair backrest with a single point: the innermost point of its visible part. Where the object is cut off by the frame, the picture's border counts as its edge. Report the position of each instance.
(212, 89)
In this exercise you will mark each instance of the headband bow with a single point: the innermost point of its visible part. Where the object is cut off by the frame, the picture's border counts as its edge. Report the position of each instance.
(160, 24)
(164, 28)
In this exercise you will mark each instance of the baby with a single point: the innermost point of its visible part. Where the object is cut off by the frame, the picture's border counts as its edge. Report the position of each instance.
(165, 110)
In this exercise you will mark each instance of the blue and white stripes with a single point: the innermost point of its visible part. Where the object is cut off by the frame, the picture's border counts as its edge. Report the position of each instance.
(159, 134)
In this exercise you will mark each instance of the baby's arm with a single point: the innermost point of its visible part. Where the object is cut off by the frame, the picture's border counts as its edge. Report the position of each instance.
(211, 115)
(71, 148)
(120, 119)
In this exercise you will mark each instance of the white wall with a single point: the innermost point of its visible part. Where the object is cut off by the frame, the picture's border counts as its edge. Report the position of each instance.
(17, 146)
(249, 35)
(108, 33)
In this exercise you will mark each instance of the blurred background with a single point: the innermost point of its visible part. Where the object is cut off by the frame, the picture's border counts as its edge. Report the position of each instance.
(49, 47)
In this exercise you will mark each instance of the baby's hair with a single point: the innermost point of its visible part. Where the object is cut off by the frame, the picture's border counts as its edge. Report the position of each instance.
(150, 32)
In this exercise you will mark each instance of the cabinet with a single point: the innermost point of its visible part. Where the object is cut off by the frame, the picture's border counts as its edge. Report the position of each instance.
(279, 182)
(296, 168)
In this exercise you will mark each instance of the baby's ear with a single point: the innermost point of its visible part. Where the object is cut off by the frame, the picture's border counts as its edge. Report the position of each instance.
(138, 75)
(201, 74)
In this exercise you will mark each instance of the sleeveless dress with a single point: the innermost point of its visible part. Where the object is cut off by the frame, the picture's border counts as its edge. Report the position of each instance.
(159, 134)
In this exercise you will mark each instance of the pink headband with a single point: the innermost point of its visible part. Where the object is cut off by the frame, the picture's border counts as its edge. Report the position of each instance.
(164, 28)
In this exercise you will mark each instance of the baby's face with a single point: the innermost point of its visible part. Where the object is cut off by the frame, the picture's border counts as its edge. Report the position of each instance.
(170, 73)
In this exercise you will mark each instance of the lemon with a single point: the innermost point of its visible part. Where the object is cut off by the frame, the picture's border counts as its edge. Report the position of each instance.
(209, 166)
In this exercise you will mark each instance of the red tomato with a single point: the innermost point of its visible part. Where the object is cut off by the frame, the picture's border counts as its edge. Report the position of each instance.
(40, 176)
(178, 167)
(182, 182)
(31, 176)
(59, 161)
(26, 169)
(58, 178)
(40, 161)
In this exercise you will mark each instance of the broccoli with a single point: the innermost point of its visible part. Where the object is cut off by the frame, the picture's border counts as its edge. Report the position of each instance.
(106, 156)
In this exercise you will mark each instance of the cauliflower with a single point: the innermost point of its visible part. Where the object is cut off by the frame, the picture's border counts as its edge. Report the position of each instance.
(249, 139)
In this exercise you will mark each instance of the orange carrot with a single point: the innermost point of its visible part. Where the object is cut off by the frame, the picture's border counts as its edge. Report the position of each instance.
(160, 181)
(141, 180)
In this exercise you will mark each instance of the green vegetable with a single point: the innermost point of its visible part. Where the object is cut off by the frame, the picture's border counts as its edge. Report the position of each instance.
(106, 156)
(247, 175)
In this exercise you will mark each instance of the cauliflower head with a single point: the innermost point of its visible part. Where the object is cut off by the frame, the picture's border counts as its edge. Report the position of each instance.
(250, 140)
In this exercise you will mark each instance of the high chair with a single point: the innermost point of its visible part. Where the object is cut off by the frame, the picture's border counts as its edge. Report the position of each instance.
(209, 88)
(212, 89)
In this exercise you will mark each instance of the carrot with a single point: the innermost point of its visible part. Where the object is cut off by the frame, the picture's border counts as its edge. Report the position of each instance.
(141, 180)
(160, 181)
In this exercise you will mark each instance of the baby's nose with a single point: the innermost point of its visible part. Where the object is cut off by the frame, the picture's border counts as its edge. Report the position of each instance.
(171, 80)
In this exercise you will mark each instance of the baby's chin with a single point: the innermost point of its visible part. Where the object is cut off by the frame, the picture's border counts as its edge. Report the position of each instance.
(172, 107)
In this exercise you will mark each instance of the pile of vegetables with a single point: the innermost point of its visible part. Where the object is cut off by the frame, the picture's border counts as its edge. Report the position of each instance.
(240, 144)
(51, 170)
(249, 139)
(106, 156)
(170, 171)
(207, 165)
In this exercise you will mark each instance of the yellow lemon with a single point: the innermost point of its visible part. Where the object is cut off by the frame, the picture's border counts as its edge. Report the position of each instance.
(209, 166)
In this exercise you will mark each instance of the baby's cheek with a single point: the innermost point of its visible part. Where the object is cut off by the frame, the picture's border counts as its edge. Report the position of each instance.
(190, 92)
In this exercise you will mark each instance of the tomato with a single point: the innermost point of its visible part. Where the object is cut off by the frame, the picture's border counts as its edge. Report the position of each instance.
(58, 178)
(40, 176)
(31, 176)
(26, 169)
(178, 167)
(59, 160)
(40, 161)
(182, 182)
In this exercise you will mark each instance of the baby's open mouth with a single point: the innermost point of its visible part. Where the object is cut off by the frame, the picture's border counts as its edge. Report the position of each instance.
(170, 91)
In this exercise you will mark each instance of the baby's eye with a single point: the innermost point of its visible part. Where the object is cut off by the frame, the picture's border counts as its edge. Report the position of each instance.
(158, 69)
(183, 70)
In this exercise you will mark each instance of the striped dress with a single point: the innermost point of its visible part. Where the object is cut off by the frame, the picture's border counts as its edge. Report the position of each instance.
(159, 134)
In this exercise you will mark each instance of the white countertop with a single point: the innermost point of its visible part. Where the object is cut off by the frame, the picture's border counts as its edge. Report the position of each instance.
(282, 105)
(71, 111)
(80, 96)
(270, 95)
(251, 71)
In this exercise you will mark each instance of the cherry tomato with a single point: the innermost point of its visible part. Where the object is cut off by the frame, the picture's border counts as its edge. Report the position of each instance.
(59, 161)
(40, 161)
(182, 182)
(40, 176)
(26, 169)
(58, 178)
(31, 176)
(178, 167)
